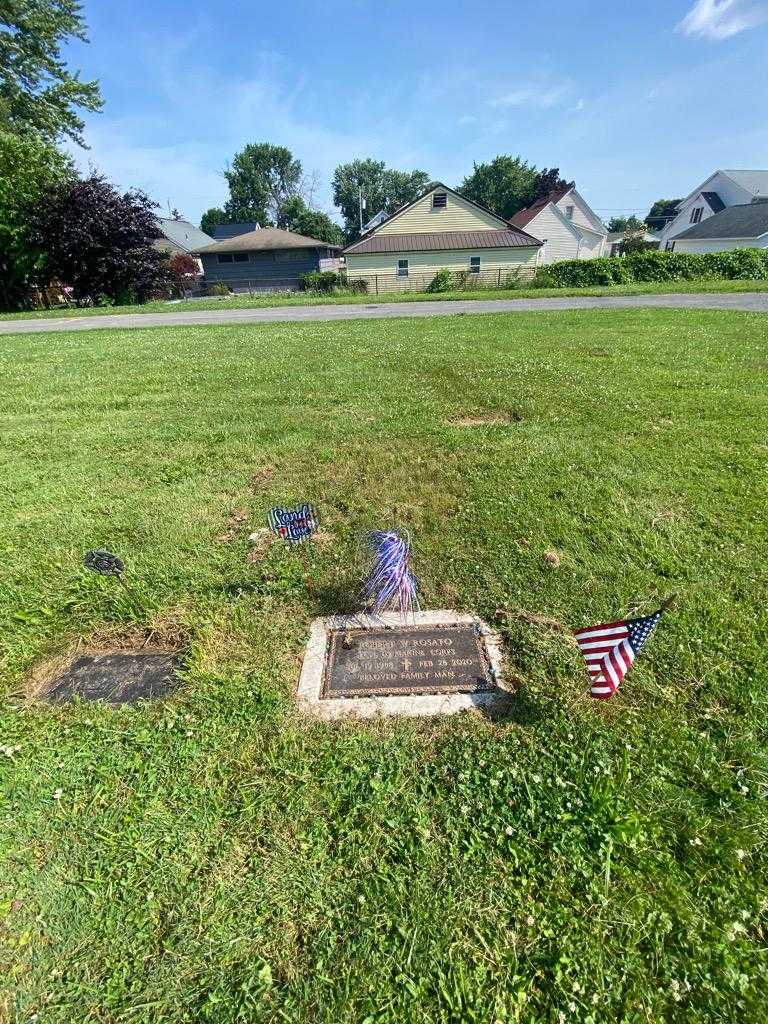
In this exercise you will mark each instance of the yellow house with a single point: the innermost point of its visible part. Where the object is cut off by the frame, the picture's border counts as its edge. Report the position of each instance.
(440, 230)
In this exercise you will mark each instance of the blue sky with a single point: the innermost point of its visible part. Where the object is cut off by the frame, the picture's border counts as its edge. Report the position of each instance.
(633, 100)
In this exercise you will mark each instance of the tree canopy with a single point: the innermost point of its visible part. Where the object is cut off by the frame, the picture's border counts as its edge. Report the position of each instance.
(661, 212)
(509, 183)
(211, 218)
(28, 165)
(37, 92)
(261, 179)
(504, 186)
(98, 241)
(631, 223)
(383, 189)
(314, 223)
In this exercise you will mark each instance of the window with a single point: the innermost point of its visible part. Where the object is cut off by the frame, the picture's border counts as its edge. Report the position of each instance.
(474, 264)
(225, 257)
(241, 257)
(696, 213)
(439, 200)
(569, 212)
(402, 268)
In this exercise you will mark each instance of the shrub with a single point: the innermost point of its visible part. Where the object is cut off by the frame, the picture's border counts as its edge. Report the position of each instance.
(216, 288)
(441, 282)
(358, 286)
(654, 265)
(319, 281)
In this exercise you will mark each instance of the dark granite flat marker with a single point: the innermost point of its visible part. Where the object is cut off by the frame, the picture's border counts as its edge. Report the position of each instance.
(119, 678)
(406, 660)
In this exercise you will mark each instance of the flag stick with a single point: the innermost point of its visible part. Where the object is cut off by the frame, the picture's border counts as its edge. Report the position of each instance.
(305, 559)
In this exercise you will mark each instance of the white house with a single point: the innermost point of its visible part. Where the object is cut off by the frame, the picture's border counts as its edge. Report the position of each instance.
(568, 227)
(720, 191)
(738, 227)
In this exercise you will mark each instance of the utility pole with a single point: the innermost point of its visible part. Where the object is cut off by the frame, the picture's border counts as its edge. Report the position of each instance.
(360, 205)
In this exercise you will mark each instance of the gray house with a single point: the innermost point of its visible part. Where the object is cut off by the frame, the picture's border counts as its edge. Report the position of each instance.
(180, 236)
(267, 259)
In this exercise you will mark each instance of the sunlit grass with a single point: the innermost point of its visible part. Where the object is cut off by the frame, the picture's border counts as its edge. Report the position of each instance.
(214, 858)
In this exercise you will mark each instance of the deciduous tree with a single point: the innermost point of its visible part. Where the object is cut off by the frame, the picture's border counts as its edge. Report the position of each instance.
(37, 91)
(27, 165)
(211, 218)
(314, 223)
(261, 179)
(383, 188)
(98, 241)
(504, 186)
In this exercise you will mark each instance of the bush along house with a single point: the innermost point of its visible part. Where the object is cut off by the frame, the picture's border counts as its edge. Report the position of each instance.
(267, 259)
(441, 231)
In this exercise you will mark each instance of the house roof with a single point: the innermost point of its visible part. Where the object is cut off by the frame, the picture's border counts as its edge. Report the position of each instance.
(230, 230)
(526, 215)
(432, 241)
(749, 220)
(713, 201)
(183, 234)
(265, 239)
(755, 182)
(434, 186)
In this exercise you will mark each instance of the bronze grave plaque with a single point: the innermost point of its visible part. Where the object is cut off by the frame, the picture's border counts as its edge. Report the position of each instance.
(406, 660)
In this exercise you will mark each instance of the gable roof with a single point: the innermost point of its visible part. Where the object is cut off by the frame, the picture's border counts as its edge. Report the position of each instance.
(749, 220)
(265, 239)
(438, 186)
(433, 241)
(183, 234)
(526, 215)
(230, 230)
(754, 182)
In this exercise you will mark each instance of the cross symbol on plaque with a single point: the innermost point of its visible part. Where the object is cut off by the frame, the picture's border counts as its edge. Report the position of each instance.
(406, 664)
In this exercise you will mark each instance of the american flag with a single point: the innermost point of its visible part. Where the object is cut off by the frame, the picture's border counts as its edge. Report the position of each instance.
(610, 648)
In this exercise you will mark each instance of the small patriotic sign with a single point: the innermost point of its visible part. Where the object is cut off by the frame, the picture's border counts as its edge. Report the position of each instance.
(610, 648)
(293, 525)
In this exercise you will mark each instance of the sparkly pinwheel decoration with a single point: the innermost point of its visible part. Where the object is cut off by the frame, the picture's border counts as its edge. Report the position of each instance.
(391, 585)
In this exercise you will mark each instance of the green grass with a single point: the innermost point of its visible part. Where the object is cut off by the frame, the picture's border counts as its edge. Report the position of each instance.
(214, 858)
(303, 299)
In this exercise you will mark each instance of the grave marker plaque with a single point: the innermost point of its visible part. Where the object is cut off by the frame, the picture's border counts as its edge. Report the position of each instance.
(400, 660)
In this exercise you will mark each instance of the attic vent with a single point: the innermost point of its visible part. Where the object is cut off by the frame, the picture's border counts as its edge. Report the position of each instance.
(439, 200)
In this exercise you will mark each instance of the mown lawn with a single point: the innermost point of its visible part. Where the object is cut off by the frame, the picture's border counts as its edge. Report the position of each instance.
(268, 301)
(214, 858)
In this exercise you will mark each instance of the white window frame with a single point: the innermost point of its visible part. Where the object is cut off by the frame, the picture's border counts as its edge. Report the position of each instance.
(474, 264)
(402, 268)
(696, 213)
(569, 212)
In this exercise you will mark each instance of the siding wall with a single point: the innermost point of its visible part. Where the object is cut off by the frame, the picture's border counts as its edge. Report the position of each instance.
(730, 193)
(458, 215)
(380, 269)
(713, 245)
(265, 270)
(561, 242)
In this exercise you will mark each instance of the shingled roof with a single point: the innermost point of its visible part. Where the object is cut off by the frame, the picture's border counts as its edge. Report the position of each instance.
(526, 215)
(749, 220)
(433, 241)
(266, 239)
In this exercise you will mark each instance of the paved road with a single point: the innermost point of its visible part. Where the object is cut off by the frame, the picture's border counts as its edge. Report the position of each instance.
(753, 302)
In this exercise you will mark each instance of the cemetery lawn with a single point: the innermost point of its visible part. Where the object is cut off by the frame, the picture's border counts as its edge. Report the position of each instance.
(214, 858)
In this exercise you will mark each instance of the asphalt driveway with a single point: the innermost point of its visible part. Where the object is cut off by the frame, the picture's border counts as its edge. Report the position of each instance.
(751, 302)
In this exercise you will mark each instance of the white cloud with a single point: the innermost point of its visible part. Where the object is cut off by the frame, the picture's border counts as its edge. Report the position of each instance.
(720, 19)
(533, 95)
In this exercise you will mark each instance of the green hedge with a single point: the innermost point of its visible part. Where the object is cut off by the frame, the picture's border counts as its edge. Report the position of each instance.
(653, 265)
